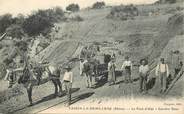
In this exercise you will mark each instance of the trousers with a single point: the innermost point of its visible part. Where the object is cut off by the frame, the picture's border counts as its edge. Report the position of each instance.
(68, 86)
(163, 81)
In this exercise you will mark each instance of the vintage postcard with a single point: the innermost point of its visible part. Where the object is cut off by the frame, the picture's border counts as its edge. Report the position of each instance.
(92, 56)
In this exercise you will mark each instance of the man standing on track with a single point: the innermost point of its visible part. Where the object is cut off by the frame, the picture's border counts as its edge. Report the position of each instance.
(162, 70)
(143, 75)
(67, 81)
(127, 67)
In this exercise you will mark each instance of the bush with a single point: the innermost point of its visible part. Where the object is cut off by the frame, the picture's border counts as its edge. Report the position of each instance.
(171, 1)
(19, 20)
(58, 11)
(123, 12)
(77, 18)
(73, 7)
(15, 31)
(5, 22)
(98, 5)
(12, 26)
(166, 1)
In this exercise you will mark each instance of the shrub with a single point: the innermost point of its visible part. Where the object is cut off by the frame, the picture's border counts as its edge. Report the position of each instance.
(73, 7)
(15, 31)
(166, 1)
(123, 12)
(12, 26)
(5, 22)
(98, 5)
(77, 18)
(58, 11)
(19, 20)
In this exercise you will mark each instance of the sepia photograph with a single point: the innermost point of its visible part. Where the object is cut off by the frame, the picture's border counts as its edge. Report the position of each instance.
(91, 56)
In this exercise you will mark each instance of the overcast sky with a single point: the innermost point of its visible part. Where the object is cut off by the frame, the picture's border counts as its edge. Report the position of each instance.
(27, 6)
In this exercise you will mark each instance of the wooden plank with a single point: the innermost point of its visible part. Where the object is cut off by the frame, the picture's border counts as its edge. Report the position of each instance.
(173, 82)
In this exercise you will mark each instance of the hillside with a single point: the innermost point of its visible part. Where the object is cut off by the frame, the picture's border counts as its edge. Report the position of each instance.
(137, 37)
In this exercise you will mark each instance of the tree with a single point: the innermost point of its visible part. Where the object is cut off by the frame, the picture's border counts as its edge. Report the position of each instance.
(37, 23)
(98, 5)
(42, 21)
(73, 7)
(58, 11)
(19, 20)
(5, 22)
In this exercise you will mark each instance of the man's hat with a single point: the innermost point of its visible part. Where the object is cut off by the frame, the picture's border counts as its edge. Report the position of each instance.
(144, 60)
(67, 67)
(81, 59)
(162, 59)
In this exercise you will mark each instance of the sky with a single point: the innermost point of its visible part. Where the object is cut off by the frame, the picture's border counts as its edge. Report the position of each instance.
(27, 6)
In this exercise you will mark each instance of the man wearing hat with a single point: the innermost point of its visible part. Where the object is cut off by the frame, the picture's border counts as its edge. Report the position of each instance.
(162, 71)
(67, 81)
(127, 67)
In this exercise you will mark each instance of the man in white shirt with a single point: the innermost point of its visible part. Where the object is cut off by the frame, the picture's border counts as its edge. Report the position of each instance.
(162, 70)
(143, 74)
(67, 81)
(127, 67)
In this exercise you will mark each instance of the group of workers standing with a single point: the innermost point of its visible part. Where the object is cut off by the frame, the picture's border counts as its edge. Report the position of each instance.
(161, 72)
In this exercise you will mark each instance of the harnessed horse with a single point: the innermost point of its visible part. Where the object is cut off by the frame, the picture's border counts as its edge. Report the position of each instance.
(32, 77)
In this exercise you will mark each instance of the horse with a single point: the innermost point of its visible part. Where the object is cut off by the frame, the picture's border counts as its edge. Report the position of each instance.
(32, 76)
